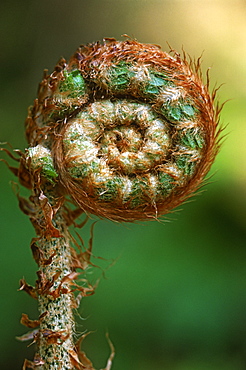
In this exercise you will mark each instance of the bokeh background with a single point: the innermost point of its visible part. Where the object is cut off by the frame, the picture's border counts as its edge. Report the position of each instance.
(175, 296)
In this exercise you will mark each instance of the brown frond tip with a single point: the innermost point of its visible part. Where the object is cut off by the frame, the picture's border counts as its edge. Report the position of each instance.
(126, 129)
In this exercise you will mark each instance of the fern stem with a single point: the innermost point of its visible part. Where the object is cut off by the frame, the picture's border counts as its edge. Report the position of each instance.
(57, 321)
(52, 252)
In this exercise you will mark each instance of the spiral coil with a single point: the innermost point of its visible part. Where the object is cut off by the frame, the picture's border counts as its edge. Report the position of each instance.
(127, 130)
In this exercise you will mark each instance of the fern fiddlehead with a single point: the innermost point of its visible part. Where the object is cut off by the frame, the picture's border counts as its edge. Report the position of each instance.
(131, 130)
(128, 132)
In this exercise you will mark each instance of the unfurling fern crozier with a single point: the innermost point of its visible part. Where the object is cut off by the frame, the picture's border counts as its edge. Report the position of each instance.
(125, 129)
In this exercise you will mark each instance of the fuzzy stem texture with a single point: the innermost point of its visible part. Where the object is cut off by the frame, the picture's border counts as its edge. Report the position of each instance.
(55, 299)
(57, 323)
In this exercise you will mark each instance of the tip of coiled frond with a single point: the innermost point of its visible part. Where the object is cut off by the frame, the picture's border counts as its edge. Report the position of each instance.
(131, 130)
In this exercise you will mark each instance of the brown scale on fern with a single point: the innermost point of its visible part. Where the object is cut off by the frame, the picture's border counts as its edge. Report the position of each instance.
(125, 129)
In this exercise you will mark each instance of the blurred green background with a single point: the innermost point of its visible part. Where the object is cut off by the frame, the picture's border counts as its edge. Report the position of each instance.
(175, 297)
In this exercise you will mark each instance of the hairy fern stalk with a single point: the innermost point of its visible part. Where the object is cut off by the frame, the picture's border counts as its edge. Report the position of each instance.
(124, 131)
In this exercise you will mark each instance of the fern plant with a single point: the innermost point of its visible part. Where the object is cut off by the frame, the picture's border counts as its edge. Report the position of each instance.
(123, 131)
